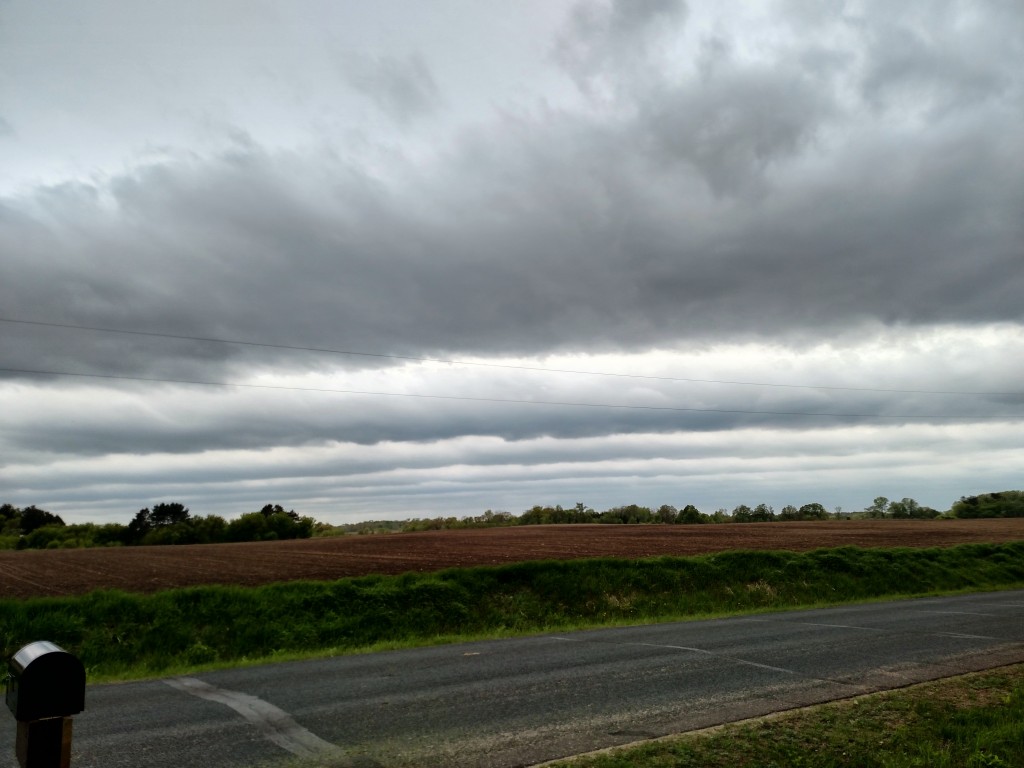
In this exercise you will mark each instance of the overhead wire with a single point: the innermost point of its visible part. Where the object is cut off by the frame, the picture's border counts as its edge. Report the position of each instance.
(511, 366)
(465, 398)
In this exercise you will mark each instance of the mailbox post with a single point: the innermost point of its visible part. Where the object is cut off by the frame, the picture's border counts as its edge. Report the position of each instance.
(45, 687)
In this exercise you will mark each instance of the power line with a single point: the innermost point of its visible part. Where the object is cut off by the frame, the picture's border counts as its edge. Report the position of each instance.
(610, 406)
(510, 366)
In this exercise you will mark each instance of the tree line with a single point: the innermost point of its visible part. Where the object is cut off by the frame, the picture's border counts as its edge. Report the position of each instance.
(165, 523)
(996, 504)
(666, 514)
(172, 523)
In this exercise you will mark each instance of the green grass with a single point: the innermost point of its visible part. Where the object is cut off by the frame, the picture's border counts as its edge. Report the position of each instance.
(120, 635)
(974, 721)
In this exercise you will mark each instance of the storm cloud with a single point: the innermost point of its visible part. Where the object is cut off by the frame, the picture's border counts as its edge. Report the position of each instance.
(794, 194)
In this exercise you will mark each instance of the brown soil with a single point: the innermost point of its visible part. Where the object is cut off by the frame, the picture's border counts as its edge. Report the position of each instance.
(147, 569)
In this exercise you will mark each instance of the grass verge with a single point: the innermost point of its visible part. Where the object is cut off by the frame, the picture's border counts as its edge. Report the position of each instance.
(973, 721)
(121, 635)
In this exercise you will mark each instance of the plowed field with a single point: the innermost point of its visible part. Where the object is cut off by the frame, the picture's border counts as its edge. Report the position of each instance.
(148, 569)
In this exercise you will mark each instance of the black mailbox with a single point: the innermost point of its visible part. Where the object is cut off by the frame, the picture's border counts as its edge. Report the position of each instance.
(45, 681)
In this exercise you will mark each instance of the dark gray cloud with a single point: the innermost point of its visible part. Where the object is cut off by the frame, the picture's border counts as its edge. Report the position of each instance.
(736, 127)
(606, 44)
(533, 240)
(753, 200)
(402, 88)
(927, 59)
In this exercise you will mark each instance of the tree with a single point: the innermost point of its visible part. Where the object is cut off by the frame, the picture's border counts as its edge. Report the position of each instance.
(789, 512)
(581, 513)
(690, 515)
(168, 514)
(900, 510)
(43, 537)
(877, 508)
(666, 513)
(111, 535)
(491, 519)
(277, 509)
(632, 513)
(256, 526)
(10, 520)
(536, 515)
(139, 527)
(248, 527)
(166, 523)
(762, 514)
(994, 504)
(919, 512)
(33, 518)
(813, 511)
(721, 515)
(742, 514)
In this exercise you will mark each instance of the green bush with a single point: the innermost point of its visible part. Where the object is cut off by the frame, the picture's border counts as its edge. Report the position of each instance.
(996, 504)
(118, 633)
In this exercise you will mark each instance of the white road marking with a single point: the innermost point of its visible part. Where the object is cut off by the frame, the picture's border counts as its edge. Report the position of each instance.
(814, 624)
(959, 635)
(693, 650)
(276, 724)
(719, 656)
(958, 613)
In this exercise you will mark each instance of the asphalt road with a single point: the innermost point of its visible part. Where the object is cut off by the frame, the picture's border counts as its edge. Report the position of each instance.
(520, 702)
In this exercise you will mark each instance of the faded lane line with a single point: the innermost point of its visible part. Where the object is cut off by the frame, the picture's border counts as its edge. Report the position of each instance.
(703, 651)
(814, 624)
(276, 724)
(723, 657)
(959, 613)
(960, 635)
(719, 656)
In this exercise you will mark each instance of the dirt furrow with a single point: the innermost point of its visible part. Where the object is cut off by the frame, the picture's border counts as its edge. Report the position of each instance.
(146, 569)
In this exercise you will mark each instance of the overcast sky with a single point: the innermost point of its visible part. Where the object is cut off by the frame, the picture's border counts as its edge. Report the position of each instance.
(646, 251)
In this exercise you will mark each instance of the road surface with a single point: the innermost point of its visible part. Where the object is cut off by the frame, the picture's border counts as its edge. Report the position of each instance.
(519, 702)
